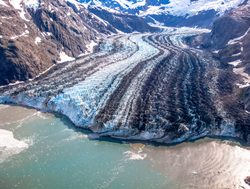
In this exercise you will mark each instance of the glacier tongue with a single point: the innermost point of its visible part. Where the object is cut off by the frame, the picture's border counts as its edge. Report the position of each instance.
(148, 86)
(82, 102)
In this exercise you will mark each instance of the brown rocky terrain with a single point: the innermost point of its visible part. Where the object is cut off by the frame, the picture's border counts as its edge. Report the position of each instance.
(32, 38)
(247, 180)
(229, 41)
(123, 22)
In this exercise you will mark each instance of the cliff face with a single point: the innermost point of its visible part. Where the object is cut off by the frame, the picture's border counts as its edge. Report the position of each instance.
(230, 42)
(124, 22)
(34, 36)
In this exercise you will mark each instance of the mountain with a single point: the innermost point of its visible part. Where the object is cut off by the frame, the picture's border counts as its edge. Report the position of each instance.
(170, 12)
(137, 83)
(229, 41)
(230, 38)
(35, 35)
(123, 22)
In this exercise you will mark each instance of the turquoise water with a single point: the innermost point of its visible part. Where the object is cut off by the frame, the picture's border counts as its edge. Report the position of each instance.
(47, 152)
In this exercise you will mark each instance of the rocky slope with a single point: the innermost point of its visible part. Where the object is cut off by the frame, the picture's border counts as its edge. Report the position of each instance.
(34, 35)
(229, 41)
(124, 22)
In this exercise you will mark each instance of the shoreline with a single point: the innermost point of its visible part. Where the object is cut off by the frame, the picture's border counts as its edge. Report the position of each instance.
(109, 138)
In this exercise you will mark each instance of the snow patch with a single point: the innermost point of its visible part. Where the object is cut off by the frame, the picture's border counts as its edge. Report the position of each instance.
(245, 77)
(130, 5)
(38, 40)
(64, 57)
(34, 4)
(10, 146)
(90, 46)
(235, 63)
(3, 3)
(17, 4)
(74, 2)
(238, 39)
(186, 7)
(25, 33)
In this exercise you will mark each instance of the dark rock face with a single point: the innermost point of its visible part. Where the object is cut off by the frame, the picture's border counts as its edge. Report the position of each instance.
(30, 45)
(247, 180)
(230, 42)
(123, 22)
(229, 27)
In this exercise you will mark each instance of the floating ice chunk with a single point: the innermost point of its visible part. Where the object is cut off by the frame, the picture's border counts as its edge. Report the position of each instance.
(9, 145)
(135, 155)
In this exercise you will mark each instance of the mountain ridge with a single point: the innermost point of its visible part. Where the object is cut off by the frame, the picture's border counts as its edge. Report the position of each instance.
(35, 35)
(170, 12)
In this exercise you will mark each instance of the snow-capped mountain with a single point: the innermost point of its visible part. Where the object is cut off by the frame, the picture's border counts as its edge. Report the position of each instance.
(170, 12)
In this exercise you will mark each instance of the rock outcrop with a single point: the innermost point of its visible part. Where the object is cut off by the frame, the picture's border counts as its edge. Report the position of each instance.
(229, 42)
(34, 36)
(124, 22)
(247, 180)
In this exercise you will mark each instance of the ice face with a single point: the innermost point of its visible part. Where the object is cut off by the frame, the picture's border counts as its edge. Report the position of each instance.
(83, 101)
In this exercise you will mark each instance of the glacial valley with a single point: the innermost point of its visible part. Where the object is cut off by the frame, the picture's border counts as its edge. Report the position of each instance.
(149, 86)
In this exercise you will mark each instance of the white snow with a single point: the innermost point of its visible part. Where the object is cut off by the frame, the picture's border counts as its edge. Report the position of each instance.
(64, 57)
(240, 71)
(38, 40)
(83, 101)
(31, 4)
(90, 46)
(25, 33)
(44, 34)
(17, 4)
(185, 7)
(3, 3)
(128, 4)
(245, 77)
(237, 40)
(235, 63)
(77, 4)
(237, 54)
